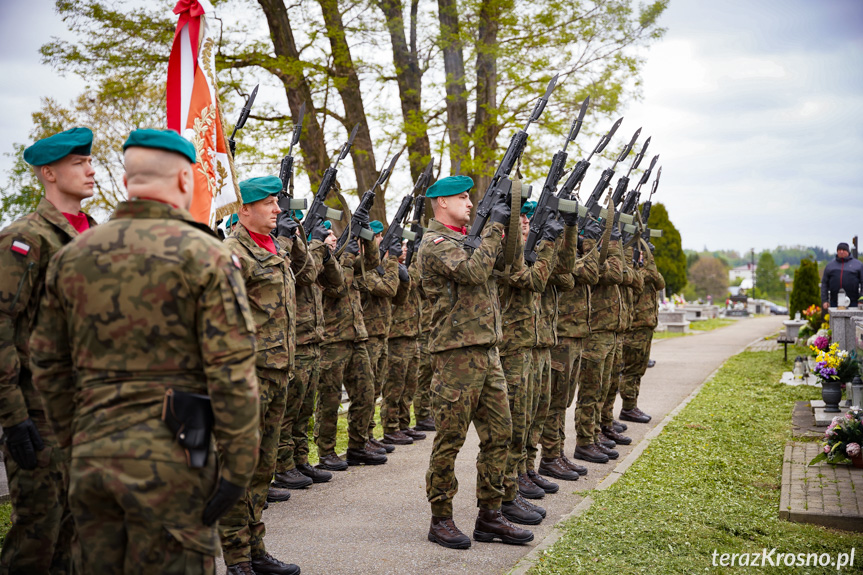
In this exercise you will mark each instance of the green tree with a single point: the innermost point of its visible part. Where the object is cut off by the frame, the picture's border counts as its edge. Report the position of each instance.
(767, 276)
(806, 290)
(709, 276)
(670, 259)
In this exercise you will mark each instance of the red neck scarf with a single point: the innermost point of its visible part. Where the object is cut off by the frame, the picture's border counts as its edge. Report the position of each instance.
(263, 240)
(462, 231)
(78, 221)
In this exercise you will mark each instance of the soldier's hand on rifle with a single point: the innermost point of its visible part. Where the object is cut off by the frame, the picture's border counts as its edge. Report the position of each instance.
(395, 249)
(353, 247)
(286, 226)
(570, 218)
(320, 232)
(23, 441)
(592, 229)
(362, 216)
(500, 211)
(652, 247)
(615, 232)
(403, 274)
(552, 230)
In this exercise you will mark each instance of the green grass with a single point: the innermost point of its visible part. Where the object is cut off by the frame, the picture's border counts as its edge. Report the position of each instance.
(5, 521)
(696, 327)
(710, 481)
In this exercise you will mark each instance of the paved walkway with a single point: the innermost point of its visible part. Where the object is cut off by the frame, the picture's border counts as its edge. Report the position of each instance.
(375, 519)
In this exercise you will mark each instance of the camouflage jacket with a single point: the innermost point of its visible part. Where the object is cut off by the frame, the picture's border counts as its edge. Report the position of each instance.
(310, 305)
(561, 281)
(519, 301)
(605, 304)
(646, 306)
(271, 287)
(343, 310)
(407, 307)
(574, 305)
(378, 287)
(149, 301)
(632, 285)
(26, 247)
(461, 291)
(425, 311)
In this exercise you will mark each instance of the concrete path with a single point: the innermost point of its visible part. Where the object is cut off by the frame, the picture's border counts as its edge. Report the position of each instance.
(375, 519)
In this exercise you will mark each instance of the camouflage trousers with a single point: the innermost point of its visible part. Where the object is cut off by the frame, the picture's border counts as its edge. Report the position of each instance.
(540, 402)
(422, 397)
(143, 516)
(41, 537)
(378, 355)
(299, 406)
(468, 386)
(606, 416)
(596, 358)
(565, 366)
(242, 529)
(400, 384)
(636, 354)
(518, 371)
(344, 363)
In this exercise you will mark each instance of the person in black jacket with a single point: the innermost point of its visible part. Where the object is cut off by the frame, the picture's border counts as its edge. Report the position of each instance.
(845, 273)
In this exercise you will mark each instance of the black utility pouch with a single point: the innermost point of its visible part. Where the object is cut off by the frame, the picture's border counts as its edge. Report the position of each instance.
(189, 416)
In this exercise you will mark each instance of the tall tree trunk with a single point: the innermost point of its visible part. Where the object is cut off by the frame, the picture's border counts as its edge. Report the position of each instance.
(456, 88)
(297, 89)
(409, 78)
(485, 128)
(347, 83)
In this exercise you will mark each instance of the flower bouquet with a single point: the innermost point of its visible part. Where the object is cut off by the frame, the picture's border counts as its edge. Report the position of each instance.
(843, 440)
(820, 341)
(833, 364)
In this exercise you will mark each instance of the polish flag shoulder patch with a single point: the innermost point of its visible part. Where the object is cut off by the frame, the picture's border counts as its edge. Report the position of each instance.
(20, 247)
(236, 261)
(439, 240)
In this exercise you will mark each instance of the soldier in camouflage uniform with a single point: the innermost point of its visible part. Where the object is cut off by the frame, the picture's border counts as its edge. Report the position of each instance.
(378, 287)
(149, 302)
(631, 286)
(422, 398)
(468, 385)
(401, 381)
(292, 469)
(598, 354)
(269, 267)
(561, 281)
(40, 538)
(572, 330)
(636, 342)
(345, 361)
(520, 311)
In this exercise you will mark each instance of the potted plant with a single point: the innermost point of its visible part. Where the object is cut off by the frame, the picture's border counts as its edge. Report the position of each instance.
(833, 367)
(843, 440)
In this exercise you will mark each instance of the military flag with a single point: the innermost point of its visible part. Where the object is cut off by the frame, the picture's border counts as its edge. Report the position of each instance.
(194, 111)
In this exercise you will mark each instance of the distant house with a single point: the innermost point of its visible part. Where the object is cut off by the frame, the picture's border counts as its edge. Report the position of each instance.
(745, 272)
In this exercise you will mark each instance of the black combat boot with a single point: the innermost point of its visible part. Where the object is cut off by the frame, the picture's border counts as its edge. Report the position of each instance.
(414, 434)
(332, 462)
(425, 425)
(444, 532)
(365, 457)
(375, 444)
(397, 438)
(491, 525)
(277, 494)
(611, 453)
(605, 441)
(590, 453)
(542, 483)
(530, 505)
(555, 468)
(610, 433)
(316, 475)
(269, 565)
(528, 488)
(518, 512)
(291, 479)
(243, 568)
(580, 469)
(635, 415)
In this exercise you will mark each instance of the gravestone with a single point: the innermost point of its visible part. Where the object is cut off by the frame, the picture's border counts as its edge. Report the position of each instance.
(843, 326)
(674, 321)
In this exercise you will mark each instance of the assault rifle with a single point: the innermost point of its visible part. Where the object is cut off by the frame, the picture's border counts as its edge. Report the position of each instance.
(550, 204)
(286, 171)
(318, 211)
(244, 115)
(606, 176)
(357, 227)
(415, 234)
(500, 184)
(623, 182)
(630, 204)
(645, 216)
(396, 230)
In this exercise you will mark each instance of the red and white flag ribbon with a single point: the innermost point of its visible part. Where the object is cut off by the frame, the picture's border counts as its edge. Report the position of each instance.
(194, 112)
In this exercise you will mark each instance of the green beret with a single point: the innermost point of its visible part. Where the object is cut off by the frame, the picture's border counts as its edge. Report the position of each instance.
(327, 224)
(451, 186)
(376, 227)
(528, 208)
(161, 140)
(255, 189)
(56, 147)
(235, 219)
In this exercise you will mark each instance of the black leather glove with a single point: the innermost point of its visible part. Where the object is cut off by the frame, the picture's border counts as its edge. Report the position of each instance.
(500, 211)
(286, 226)
(227, 494)
(23, 441)
(615, 232)
(652, 247)
(395, 249)
(404, 277)
(320, 232)
(353, 247)
(592, 229)
(362, 216)
(552, 230)
(570, 218)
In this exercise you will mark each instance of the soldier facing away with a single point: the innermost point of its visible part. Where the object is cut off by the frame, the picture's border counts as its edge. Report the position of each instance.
(39, 540)
(138, 313)
(468, 384)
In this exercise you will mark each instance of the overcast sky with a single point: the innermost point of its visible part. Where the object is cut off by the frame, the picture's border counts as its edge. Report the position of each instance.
(755, 108)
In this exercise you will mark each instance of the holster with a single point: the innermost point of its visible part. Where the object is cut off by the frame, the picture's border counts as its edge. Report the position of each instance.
(189, 416)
